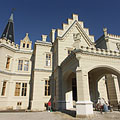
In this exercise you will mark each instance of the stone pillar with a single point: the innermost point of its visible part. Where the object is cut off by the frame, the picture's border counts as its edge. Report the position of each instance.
(113, 89)
(59, 102)
(84, 106)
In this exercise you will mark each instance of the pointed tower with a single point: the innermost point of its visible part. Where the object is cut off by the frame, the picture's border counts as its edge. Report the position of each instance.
(9, 30)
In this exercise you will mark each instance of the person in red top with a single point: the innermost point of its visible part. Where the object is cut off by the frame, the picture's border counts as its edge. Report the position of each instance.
(49, 106)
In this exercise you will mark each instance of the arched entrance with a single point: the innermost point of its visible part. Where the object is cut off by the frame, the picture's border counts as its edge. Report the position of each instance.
(104, 82)
(70, 90)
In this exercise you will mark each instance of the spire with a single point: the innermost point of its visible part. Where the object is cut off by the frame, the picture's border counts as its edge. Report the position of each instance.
(9, 29)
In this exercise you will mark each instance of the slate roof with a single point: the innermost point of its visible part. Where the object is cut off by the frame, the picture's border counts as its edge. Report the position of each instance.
(9, 30)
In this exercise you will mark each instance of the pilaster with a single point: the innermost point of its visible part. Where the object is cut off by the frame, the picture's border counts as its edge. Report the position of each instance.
(84, 105)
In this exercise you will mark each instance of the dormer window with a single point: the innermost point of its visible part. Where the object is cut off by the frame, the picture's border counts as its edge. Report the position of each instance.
(23, 45)
(27, 45)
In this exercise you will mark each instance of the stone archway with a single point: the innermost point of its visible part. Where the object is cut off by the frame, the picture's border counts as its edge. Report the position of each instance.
(70, 90)
(104, 82)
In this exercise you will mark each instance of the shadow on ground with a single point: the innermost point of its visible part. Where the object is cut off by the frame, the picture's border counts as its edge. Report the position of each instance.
(69, 112)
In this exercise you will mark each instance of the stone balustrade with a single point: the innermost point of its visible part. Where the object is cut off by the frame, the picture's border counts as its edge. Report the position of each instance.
(100, 51)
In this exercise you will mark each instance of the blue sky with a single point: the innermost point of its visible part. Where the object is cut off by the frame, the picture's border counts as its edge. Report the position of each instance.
(38, 17)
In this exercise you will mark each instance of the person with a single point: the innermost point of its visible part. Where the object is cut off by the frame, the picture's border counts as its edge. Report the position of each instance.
(110, 107)
(102, 105)
(49, 106)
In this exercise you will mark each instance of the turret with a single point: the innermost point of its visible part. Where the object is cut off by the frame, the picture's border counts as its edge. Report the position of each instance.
(8, 33)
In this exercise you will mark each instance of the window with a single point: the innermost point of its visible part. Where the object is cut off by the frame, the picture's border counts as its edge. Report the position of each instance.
(23, 45)
(8, 63)
(47, 87)
(20, 64)
(48, 59)
(69, 52)
(17, 89)
(3, 88)
(19, 103)
(23, 65)
(27, 45)
(24, 89)
(26, 65)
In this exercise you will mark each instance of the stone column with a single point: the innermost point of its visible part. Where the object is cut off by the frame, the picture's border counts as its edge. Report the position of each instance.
(84, 106)
(59, 103)
(113, 89)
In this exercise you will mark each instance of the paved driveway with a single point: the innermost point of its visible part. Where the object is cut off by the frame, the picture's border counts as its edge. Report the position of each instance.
(55, 116)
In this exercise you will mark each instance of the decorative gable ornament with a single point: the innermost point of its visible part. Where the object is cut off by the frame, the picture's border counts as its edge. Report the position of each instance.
(76, 36)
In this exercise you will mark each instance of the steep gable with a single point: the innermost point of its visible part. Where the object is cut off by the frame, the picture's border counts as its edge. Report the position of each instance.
(25, 43)
(75, 28)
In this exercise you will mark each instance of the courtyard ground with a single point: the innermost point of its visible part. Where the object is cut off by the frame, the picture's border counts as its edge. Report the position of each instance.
(55, 116)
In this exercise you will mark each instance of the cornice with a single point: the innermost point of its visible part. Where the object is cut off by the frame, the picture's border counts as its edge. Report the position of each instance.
(93, 52)
(38, 42)
(16, 50)
(110, 54)
(16, 74)
(42, 70)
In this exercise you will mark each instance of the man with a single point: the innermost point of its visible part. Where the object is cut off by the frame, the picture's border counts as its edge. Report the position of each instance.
(49, 106)
(101, 102)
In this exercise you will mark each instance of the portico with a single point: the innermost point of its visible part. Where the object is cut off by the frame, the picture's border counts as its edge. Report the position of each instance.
(80, 65)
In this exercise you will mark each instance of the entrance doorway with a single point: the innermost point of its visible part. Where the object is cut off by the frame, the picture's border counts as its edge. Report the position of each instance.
(104, 83)
(74, 89)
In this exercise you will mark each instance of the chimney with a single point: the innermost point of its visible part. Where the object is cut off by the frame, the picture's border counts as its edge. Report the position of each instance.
(52, 35)
(44, 37)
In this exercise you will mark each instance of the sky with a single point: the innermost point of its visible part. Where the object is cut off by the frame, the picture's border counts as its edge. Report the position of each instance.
(38, 17)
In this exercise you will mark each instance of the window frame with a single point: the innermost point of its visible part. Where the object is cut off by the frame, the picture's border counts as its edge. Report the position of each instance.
(21, 90)
(48, 57)
(47, 88)
(8, 62)
(23, 45)
(28, 45)
(4, 87)
(20, 68)
(24, 89)
(26, 66)
(17, 89)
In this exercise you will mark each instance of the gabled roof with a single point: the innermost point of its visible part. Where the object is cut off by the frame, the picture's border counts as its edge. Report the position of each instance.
(9, 30)
(26, 38)
(79, 25)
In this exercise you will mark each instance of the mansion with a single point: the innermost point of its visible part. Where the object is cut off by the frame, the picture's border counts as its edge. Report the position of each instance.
(72, 70)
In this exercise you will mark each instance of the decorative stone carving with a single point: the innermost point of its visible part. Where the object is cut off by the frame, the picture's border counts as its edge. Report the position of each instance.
(118, 46)
(76, 36)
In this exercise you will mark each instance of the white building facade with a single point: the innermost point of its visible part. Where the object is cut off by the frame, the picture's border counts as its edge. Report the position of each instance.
(72, 70)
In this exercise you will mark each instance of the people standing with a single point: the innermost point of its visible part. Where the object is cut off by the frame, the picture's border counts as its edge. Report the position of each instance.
(49, 106)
